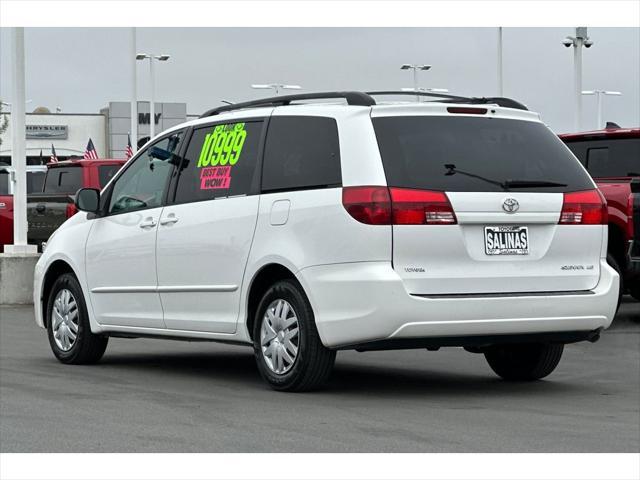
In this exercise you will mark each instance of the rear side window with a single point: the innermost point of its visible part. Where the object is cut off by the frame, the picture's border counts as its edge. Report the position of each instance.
(609, 157)
(63, 180)
(106, 173)
(220, 161)
(462, 154)
(301, 153)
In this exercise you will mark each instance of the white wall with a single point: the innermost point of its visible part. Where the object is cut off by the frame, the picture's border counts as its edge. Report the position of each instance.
(80, 128)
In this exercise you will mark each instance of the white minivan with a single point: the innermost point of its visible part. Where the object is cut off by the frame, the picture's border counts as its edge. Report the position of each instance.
(302, 227)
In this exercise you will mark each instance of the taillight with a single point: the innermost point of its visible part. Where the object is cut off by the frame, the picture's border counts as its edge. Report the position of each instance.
(421, 207)
(584, 208)
(397, 206)
(71, 210)
(370, 205)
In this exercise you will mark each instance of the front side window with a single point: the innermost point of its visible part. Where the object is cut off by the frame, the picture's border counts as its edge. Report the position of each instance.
(220, 161)
(301, 153)
(4, 182)
(142, 185)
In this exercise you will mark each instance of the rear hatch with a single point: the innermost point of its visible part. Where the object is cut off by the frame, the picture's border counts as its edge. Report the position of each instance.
(484, 204)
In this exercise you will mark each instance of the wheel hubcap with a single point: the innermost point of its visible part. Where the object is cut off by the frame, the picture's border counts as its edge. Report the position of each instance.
(64, 317)
(279, 336)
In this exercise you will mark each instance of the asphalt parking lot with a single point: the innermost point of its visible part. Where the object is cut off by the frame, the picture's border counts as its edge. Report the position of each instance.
(166, 396)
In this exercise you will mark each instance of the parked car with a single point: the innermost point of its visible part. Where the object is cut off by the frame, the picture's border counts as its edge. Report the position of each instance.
(51, 207)
(35, 180)
(304, 229)
(612, 157)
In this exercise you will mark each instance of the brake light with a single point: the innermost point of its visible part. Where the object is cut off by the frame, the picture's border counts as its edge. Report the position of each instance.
(369, 205)
(421, 207)
(398, 206)
(71, 210)
(584, 208)
(468, 110)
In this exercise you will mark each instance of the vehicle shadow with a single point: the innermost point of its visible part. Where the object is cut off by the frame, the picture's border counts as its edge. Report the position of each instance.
(349, 378)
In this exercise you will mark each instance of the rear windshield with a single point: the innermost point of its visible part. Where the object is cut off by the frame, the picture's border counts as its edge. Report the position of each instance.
(35, 181)
(462, 154)
(106, 172)
(608, 157)
(63, 180)
(4, 182)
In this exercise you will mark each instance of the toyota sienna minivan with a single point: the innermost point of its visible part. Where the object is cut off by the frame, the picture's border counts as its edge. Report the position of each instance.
(302, 227)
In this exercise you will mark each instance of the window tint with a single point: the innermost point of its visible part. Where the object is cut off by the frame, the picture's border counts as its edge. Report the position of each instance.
(301, 152)
(609, 157)
(143, 183)
(220, 162)
(460, 154)
(35, 181)
(106, 173)
(63, 180)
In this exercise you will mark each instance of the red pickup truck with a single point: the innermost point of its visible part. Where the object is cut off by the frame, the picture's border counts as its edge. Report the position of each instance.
(47, 210)
(35, 181)
(612, 157)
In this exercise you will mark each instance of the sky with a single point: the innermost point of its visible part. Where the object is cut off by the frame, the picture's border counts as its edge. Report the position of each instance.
(81, 69)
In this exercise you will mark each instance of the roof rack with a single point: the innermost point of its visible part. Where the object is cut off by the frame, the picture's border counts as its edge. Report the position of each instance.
(352, 98)
(500, 101)
(364, 99)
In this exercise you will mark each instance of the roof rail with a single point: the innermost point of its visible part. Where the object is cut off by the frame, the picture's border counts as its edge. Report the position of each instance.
(352, 98)
(500, 101)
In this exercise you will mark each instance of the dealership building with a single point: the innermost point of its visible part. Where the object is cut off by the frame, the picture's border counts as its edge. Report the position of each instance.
(69, 133)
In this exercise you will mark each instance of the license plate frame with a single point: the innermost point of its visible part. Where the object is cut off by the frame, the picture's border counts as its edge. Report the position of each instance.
(508, 241)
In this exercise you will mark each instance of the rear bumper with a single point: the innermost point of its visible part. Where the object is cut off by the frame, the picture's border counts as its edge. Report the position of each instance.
(359, 303)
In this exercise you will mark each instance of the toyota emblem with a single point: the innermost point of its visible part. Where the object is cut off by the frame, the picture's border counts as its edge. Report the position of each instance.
(510, 205)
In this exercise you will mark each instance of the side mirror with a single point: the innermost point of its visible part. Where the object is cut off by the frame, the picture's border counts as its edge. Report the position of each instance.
(88, 200)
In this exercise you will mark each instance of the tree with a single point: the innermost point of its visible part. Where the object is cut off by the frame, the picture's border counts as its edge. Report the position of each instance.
(4, 122)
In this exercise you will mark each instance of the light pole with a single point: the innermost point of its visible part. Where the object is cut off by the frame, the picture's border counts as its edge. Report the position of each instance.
(599, 94)
(500, 81)
(427, 90)
(276, 86)
(580, 40)
(134, 92)
(415, 68)
(18, 149)
(152, 106)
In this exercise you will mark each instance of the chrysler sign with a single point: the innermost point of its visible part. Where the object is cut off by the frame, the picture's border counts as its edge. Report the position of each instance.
(47, 132)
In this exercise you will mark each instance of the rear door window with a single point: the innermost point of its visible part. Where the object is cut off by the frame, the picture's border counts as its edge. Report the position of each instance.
(619, 157)
(220, 161)
(301, 153)
(4, 182)
(462, 154)
(63, 180)
(35, 181)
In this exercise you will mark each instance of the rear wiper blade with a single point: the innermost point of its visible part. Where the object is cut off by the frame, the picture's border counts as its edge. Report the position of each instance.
(531, 184)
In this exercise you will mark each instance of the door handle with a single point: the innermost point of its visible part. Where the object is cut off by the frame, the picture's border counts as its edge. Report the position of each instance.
(147, 223)
(170, 219)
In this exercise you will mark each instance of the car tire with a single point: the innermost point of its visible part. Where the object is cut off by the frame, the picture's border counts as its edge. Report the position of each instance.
(287, 347)
(611, 260)
(524, 362)
(68, 328)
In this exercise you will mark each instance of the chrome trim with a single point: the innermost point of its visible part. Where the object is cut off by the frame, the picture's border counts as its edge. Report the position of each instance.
(197, 288)
(167, 289)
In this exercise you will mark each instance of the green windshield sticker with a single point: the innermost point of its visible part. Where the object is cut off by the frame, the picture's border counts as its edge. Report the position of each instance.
(223, 146)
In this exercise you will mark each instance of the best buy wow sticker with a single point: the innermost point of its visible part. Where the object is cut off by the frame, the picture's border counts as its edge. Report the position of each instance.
(221, 150)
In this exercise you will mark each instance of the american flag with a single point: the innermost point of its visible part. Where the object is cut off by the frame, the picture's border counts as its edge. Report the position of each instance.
(54, 157)
(129, 151)
(90, 153)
